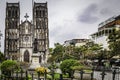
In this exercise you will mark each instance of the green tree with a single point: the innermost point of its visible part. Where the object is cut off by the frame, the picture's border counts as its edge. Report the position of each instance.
(114, 42)
(90, 50)
(60, 52)
(56, 53)
(69, 49)
(7, 67)
(59, 49)
(51, 50)
(71, 52)
(66, 66)
(77, 53)
(68, 56)
(103, 54)
(2, 57)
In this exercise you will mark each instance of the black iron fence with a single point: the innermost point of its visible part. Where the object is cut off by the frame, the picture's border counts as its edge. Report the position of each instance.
(113, 74)
(104, 74)
(26, 75)
(15, 76)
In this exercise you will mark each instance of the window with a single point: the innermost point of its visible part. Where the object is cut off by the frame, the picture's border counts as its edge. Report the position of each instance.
(43, 13)
(9, 24)
(9, 13)
(40, 13)
(15, 13)
(38, 24)
(36, 13)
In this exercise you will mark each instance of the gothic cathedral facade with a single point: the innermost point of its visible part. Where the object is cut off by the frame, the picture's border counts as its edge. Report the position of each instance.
(25, 40)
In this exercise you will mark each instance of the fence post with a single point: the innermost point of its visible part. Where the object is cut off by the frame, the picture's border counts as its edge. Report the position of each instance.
(81, 74)
(17, 75)
(1, 76)
(38, 76)
(32, 76)
(114, 73)
(52, 74)
(61, 76)
(26, 75)
(92, 74)
(21, 73)
(103, 74)
(72, 73)
(45, 74)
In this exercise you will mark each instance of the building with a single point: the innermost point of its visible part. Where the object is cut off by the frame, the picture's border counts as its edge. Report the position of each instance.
(76, 42)
(28, 41)
(105, 28)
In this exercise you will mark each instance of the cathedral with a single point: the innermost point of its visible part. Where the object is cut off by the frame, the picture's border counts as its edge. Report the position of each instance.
(27, 41)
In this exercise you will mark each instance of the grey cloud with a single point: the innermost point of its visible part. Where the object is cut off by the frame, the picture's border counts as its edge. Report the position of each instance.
(54, 32)
(109, 9)
(106, 11)
(64, 36)
(58, 34)
(89, 14)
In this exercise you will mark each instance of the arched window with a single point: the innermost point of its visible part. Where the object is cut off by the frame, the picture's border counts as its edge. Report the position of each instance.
(26, 56)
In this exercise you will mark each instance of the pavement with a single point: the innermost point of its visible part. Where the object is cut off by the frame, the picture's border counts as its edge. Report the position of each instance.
(97, 76)
(108, 76)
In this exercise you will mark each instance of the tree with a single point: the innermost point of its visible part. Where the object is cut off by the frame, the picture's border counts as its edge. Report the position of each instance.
(2, 57)
(60, 52)
(68, 56)
(69, 49)
(51, 50)
(77, 53)
(59, 49)
(7, 67)
(56, 53)
(66, 66)
(90, 50)
(103, 54)
(114, 42)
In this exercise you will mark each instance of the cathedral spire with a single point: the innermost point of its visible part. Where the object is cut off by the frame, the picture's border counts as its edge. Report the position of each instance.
(26, 16)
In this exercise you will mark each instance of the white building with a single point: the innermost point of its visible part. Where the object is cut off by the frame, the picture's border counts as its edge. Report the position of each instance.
(76, 42)
(104, 29)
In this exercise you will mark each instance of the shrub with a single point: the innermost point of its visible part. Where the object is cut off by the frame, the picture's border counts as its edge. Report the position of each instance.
(66, 66)
(41, 70)
(81, 67)
(9, 66)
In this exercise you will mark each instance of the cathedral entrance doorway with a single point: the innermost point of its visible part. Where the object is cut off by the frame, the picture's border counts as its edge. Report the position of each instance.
(26, 56)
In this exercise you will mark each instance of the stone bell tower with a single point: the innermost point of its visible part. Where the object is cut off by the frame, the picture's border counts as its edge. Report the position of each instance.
(12, 22)
(41, 38)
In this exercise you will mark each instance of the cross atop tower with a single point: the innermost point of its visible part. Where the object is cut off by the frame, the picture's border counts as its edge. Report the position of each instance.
(26, 16)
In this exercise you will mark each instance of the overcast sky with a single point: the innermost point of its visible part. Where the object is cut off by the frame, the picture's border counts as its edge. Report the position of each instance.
(68, 19)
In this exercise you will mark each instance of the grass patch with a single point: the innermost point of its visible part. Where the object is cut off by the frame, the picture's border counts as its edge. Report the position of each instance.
(56, 76)
(87, 71)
